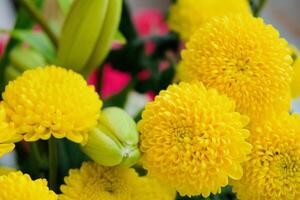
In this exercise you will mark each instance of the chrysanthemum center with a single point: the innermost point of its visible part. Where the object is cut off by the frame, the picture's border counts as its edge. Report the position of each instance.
(108, 185)
(285, 165)
(183, 134)
(237, 68)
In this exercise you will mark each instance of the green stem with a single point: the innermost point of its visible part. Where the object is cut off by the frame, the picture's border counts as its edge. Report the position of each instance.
(36, 153)
(259, 7)
(52, 163)
(34, 12)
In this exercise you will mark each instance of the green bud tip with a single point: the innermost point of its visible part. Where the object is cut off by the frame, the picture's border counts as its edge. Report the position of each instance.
(115, 140)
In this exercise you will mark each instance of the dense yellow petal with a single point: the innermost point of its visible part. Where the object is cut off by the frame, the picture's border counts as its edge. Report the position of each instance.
(52, 101)
(95, 182)
(272, 171)
(242, 57)
(192, 139)
(7, 133)
(16, 186)
(295, 85)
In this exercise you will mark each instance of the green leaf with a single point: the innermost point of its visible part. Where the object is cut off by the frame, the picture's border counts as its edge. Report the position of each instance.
(38, 41)
(120, 37)
(65, 5)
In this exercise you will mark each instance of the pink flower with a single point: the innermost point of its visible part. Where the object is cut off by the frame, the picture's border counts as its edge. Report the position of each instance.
(150, 22)
(3, 42)
(113, 81)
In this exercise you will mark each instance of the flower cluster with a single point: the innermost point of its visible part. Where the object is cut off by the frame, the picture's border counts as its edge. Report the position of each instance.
(226, 122)
(195, 139)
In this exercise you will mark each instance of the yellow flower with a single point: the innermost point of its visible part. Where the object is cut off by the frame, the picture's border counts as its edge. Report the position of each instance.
(94, 182)
(295, 85)
(151, 189)
(6, 170)
(273, 171)
(7, 133)
(52, 101)
(192, 139)
(16, 186)
(186, 16)
(244, 58)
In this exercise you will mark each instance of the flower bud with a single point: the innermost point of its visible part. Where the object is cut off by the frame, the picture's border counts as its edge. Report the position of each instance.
(114, 141)
(108, 31)
(87, 33)
(22, 59)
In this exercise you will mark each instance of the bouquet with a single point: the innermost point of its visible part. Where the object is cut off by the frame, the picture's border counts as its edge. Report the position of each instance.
(103, 103)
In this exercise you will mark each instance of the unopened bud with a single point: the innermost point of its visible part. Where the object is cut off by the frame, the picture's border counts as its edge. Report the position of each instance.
(114, 141)
(22, 59)
(87, 33)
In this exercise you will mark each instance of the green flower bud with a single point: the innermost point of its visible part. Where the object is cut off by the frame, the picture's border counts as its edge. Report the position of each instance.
(108, 31)
(87, 33)
(22, 59)
(114, 141)
(11, 73)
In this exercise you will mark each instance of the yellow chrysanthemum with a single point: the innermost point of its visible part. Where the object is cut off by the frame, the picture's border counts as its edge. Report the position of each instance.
(18, 186)
(52, 101)
(7, 133)
(147, 188)
(186, 16)
(93, 182)
(6, 170)
(244, 58)
(295, 85)
(273, 171)
(192, 139)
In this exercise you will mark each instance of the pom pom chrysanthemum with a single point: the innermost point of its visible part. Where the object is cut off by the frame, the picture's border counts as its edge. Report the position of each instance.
(52, 101)
(245, 59)
(192, 139)
(93, 181)
(186, 16)
(16, 186)
(273, 170)
(7, 133)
